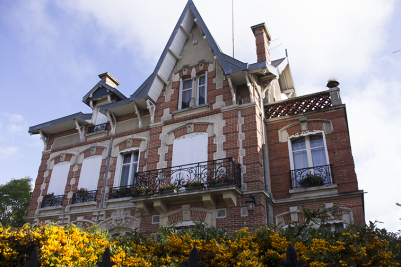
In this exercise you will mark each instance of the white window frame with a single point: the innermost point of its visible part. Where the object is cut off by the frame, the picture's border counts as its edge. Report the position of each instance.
(308, 149)
(58, 183)
(195, 86)
(119, 165)
(91, 182)
(154, 217)
(198, 86)
(217, 214)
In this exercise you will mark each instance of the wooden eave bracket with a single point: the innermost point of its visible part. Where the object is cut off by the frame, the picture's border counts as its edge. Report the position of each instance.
(139, 113)
(151, 107)
(162, 78)
(248, 83)
(256, 86)
(160, 206)
(184, 30)
(113, 121)
(81, 130)
(44, 138)
(174, 53)
(232, 88)
(143, 208)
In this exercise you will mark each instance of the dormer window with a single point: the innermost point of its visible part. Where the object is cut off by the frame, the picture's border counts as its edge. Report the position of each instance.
(193, 92)
(186, 94)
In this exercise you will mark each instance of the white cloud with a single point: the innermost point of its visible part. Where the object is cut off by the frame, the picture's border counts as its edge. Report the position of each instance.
(8, 152)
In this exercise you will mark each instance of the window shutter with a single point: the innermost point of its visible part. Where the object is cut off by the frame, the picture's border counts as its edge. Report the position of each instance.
(90, 173)
(58, 179)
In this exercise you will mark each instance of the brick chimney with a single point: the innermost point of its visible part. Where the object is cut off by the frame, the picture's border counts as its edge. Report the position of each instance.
(109, 79)
(262, 38)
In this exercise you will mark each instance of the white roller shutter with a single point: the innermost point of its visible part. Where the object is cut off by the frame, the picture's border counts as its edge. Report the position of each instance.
(58, 178)
(90, 172)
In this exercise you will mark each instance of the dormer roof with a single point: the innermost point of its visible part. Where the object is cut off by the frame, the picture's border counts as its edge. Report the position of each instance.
(100, 90)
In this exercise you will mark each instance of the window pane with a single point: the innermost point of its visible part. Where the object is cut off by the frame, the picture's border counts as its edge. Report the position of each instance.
(298, 144)
(136, 155)
(186, 98)
(133, 173)
(318, 156)
(316, 140)
(187, 84)
(300, 159)
(202, 81)
(202, 95)
(124, 175)
(127, 158)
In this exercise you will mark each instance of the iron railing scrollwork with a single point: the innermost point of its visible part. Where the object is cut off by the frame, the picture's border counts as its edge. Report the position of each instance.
(52, 201)
(97, 128)
(206, 172)
(120, 191)
(85, 196)
(299, 176)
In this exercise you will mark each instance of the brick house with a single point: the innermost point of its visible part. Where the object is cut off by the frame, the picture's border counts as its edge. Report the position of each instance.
(237, 129)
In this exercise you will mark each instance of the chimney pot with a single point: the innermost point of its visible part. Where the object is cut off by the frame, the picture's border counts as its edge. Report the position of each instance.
(109, 79)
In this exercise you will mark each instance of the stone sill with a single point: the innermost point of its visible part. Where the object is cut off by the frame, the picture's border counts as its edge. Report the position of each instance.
(80, 206)
(51, 209)
(316, 190)
(187, 111)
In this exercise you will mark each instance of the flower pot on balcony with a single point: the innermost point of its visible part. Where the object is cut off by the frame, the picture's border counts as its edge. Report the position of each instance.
(166, 191)
(218, 185)
(194, 188)
(309, 184)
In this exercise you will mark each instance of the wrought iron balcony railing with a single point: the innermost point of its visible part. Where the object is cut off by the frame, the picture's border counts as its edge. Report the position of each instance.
(97, 128)
(313, 176)
(208, 173)
(52, 201)
(85, 196)
(120, 191)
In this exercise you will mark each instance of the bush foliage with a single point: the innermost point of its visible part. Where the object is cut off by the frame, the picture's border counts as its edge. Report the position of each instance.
(358, 245)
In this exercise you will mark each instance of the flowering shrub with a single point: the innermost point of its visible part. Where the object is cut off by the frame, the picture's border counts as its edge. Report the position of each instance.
(193, 183)
(359, 245)
(49, 195)
(82, 191)
(218, 180)
(167, 186)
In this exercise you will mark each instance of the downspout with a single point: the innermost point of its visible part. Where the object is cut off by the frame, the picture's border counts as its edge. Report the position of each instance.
(105, 179)
(265, 157)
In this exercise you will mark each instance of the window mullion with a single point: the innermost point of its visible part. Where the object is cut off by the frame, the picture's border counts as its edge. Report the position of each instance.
(308, 151)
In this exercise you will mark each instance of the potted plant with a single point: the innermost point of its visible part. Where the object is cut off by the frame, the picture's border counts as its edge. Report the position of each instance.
(82, 191)
(311, 180)
(219, 181)
(331, 83)
(136, 192)
(193, 185)
(48, 196)
(168, 188)
(147, 191)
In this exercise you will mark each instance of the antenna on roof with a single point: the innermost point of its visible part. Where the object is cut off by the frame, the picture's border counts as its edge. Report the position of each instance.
(397, 51)
(232, 5)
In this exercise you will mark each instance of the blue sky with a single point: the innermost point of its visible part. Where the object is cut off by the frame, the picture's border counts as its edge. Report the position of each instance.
(52, 52)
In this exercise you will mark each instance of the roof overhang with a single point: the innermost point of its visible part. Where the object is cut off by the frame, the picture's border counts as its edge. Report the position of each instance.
(61, 124)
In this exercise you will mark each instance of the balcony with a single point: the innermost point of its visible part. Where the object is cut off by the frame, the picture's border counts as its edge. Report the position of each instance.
(311, 177)
(52, 201)
(207, 175)
(85, 196)
(97, 128)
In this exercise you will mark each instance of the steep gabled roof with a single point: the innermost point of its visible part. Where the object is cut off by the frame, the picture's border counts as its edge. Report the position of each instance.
(61, 124)
(102, 89)
(153, 86)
